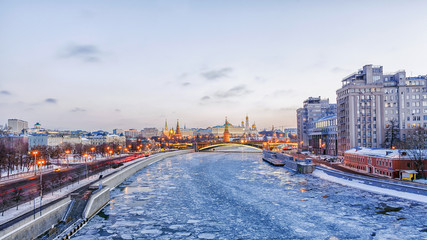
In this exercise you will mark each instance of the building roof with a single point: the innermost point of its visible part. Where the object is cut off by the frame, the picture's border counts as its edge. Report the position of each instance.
(329, 117)
(381, 152)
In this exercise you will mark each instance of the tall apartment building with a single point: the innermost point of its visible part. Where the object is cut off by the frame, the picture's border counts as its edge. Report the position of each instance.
(413, 104)
(312, 110)
(369, 101)
(16, 126)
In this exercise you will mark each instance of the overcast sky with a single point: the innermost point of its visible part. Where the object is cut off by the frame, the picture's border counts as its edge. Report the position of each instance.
(132, 64)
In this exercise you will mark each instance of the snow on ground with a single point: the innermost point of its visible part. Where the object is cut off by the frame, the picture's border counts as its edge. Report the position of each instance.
(29, 206)
(16, 174)
(357, 184)
(238, 196)
(424, 181)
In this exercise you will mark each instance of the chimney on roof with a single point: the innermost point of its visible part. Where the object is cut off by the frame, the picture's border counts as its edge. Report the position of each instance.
(388, 152)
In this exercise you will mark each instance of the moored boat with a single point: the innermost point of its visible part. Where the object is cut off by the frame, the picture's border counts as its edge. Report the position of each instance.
(271, 158)
(295, 164)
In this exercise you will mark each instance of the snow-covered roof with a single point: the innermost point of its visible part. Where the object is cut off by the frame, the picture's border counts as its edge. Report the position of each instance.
(329, 117)
(381, 152)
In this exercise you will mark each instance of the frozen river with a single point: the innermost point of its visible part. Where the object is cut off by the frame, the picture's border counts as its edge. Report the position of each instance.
(238, 196)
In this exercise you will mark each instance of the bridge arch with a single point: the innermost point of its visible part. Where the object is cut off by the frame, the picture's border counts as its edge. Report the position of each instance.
(230, 144)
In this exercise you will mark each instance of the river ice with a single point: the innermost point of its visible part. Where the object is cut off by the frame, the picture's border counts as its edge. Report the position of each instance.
(238, 196)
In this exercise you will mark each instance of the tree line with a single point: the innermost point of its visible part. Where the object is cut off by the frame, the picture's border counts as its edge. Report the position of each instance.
(20, 158)
(413, 143)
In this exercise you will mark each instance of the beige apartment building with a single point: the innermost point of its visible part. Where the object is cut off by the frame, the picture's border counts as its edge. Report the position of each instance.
(369, 101)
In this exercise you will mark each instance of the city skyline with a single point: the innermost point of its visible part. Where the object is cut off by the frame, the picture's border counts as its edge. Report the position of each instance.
(134, 64)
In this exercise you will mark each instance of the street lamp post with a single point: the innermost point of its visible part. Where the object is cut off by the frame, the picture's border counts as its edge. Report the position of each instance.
(93, 151)
(87, 173)
(35, 160)
(41, 183)
(66, 153)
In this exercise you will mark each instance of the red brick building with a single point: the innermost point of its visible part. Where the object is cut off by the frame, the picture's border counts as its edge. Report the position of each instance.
(381, 162)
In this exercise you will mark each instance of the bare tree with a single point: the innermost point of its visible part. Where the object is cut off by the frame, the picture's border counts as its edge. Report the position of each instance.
(416, 145)
(17, 196)
(392, 134)
(3, 157)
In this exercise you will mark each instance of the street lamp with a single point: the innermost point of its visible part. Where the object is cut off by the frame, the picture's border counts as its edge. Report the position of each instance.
(93, 151)
(41, 162)
(67, 152)
(35, 160)
(85, 155)
(107, 151)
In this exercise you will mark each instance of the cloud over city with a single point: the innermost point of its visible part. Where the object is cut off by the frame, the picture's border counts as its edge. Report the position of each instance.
(236, 91)
(213, 75)
(77, 109)
(51, 100)
(86, 53)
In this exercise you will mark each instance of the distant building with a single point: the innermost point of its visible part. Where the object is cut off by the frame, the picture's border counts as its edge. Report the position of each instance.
(133, 133)
(323, 135)
(313, 109)
(245, 129)
(52, 140)
(16, 125)
(202, 132)
(188, 132)
(233, 130)
(150, 132)
(106, 139)
(79, 132)
(382, 162)
(290, 131)
(118, 131)
(37, 126)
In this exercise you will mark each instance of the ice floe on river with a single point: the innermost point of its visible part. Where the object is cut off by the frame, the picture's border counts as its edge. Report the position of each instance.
(238, 196)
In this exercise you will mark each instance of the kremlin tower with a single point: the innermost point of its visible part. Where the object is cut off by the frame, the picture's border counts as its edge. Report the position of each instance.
(226, 132)
(166, 130)
(178, 133)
